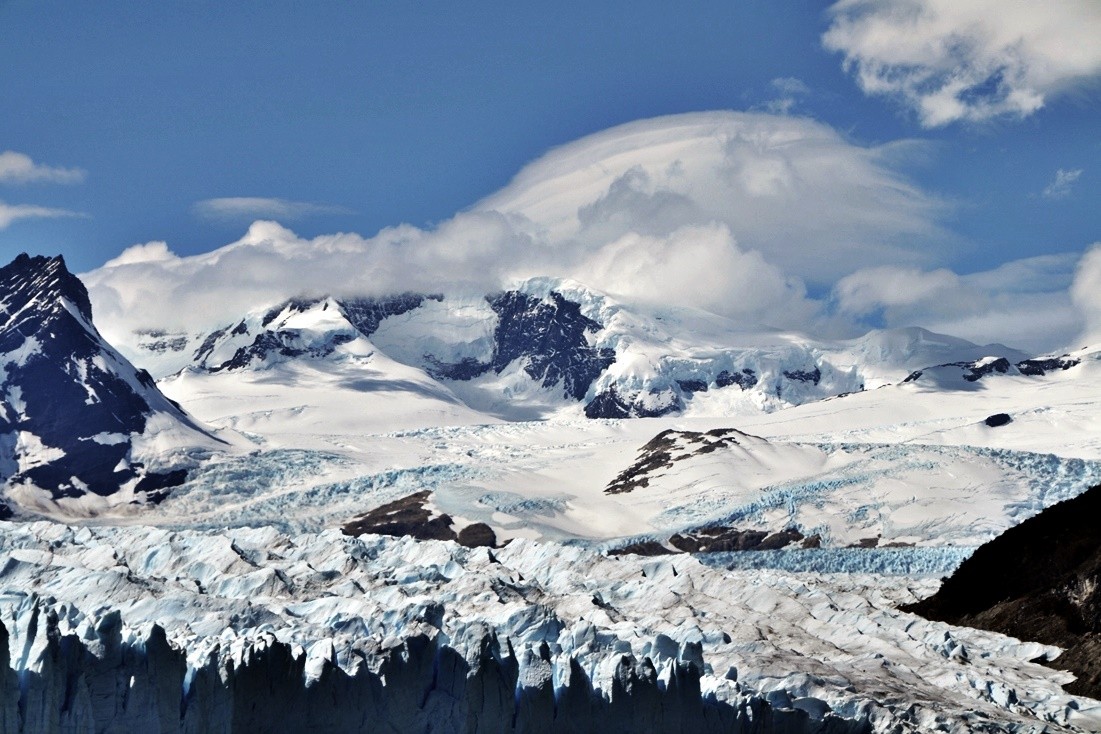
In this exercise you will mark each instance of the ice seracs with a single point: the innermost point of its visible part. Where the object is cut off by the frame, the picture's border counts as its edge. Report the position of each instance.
(341, 634)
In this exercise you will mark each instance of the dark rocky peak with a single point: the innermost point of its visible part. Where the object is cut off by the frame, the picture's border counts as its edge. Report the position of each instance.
(367, 313)
(38, 286)
(62, 385)
(551, 334)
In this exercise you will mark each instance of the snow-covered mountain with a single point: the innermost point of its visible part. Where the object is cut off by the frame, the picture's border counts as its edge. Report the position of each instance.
(80, 427)
(552, 347)
(798, 491)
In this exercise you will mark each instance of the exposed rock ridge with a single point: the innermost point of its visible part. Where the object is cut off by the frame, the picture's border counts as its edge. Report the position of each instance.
(1040, 580)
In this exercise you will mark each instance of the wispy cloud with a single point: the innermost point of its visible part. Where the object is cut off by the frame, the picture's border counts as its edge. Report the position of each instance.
(1064, 181)
(19, 168)
(968, 61)
(238, 208)
(790, 89)
(1025, 303)
(11, 212)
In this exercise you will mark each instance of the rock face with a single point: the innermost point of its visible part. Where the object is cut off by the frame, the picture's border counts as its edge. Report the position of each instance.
(970, 371)
(1044, 365)
(1039, 581)
(275, 335)
(73, 408)
(367, 313)
(550, 335)
(664, 450)
(411, 516)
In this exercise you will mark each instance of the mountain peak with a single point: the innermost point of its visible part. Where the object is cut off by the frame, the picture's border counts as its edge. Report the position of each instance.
(74, 414)
(41, 280)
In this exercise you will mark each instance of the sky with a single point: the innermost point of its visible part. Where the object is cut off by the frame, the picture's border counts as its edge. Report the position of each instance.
(822, 166)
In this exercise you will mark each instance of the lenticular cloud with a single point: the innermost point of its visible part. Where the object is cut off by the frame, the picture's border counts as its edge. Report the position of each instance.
(730, 212)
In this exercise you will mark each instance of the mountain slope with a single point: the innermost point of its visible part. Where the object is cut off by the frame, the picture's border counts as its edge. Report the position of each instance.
(303, 371)
(77, 421)
(1040, 580)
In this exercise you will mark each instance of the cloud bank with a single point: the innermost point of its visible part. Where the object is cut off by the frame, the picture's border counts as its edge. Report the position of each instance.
(19, 168)
(796, 191)
(248, 208)
(971, 61)
(741, 214)
(1086, 293)
(1023, 303)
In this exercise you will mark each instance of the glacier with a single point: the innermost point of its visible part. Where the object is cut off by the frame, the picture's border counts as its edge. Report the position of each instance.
(140, 628)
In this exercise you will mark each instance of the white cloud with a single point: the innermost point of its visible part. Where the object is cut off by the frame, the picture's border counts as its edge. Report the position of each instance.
(702, 266)
(248, 208)
(809, 201)
(888, 287)
(12, 212)
(18, 168)
(976, 60)
(146, 253)
(790, 90)
(732, 213)
(790, 85)
(1061, 186)
(1086, 293)
(1024, 303)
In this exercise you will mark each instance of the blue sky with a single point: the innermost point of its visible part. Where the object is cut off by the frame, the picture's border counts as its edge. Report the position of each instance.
(122, 118)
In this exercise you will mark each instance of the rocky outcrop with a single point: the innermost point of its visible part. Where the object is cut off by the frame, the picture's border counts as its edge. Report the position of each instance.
(664, 450)
(412, 516)
(550, 335)
(1038, 581)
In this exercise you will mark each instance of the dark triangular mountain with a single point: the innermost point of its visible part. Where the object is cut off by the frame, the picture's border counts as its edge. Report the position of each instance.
(76, 418)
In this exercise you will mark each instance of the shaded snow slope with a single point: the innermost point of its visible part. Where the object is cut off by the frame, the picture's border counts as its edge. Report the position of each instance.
(301, 374)
(541, 617)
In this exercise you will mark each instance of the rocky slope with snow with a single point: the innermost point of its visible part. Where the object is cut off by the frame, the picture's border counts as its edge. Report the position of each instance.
(81, 429)
(1038, 580)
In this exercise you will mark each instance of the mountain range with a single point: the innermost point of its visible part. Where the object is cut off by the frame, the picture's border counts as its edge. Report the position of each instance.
(609, 466)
